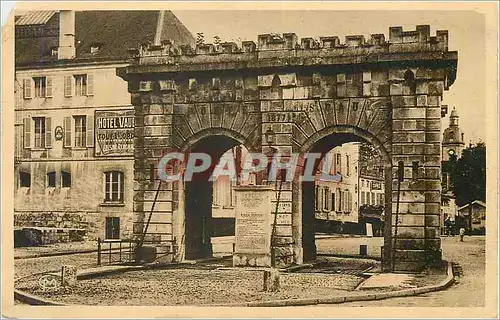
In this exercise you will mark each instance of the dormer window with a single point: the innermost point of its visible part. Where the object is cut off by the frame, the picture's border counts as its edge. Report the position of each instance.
(94, 49)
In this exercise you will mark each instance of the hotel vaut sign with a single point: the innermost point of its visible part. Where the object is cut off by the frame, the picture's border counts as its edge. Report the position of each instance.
(114, 132)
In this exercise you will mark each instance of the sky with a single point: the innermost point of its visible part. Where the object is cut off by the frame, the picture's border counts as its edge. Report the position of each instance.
(466, 35)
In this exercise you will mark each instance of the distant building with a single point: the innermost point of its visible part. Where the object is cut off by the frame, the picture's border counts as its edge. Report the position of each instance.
(338, 200)
(478, 214)
(74, 122)
(448, 210)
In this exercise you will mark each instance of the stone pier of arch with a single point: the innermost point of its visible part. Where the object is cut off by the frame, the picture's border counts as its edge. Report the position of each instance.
(313, 94)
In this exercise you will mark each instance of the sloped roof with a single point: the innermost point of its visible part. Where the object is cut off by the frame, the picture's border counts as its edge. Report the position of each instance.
(114, 32)
(35, 18)
(479, 202)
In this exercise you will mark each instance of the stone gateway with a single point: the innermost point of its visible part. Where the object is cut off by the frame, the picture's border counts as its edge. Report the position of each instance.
(313, 95)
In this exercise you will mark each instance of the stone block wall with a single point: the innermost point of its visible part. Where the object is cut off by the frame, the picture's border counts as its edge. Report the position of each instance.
(311, 95)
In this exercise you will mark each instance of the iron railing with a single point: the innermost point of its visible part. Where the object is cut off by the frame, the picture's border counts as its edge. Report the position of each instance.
(115, 251)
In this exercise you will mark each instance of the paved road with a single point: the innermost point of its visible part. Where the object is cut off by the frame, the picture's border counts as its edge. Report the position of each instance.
(469, 292)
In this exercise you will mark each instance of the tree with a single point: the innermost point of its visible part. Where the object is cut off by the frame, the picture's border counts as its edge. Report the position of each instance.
(370, 159)
(468, 175)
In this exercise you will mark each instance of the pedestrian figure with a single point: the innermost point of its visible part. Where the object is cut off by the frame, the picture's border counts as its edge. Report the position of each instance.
(462, 233)
(447, 226)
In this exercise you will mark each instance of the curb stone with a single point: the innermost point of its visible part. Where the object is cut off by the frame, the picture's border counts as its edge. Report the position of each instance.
(35, 300)
(365, 297)
(55, 254)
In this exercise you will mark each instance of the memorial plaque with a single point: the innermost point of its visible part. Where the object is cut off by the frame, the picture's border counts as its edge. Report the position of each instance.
(253, 224)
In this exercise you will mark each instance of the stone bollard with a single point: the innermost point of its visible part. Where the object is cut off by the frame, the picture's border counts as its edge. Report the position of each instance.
(271, 280)
(68, 275)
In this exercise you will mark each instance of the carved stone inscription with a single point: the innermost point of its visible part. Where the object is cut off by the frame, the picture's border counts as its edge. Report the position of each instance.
(253, 228)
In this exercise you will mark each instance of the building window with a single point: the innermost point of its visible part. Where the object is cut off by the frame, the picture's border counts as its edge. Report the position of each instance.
(113, 186)
(112, 228)
(215, 194)
(39, 132)
(24, 179)
(363, 197)
(40, 86)
(65, 179)
(326, 192)
(373, 199)
(348, 169)
(338, 163)
(51, 179)
(349, 201)
(340, 195)
(80, 131)
(94, 49)
(316, 199)
(80, 85)
(333, 201)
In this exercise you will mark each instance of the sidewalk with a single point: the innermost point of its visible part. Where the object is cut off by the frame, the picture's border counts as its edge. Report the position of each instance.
(55, 249)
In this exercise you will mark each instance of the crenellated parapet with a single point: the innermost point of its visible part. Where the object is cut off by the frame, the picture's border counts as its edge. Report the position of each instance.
(286, 50)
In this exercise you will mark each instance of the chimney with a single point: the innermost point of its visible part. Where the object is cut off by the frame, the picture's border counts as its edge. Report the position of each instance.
(66, 48)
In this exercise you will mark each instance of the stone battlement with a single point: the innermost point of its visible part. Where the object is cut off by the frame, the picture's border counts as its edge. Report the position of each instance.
(399, 41)
(286, 50)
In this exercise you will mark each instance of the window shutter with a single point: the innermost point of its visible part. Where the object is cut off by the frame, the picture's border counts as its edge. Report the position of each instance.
(48, 89)
(90, 131)
(350, 201)
(48, 133)
(68, 86)
(90, 84)
(320, 198)
(104, 186)
(67, 132)
(27, 88)
(27, 133)
(329, 199)
(339, 198)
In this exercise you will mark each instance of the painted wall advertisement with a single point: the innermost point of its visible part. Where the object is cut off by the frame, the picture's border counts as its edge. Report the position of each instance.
(114, 133)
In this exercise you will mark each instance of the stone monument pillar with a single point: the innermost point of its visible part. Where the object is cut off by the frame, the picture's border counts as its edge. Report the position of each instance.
(253, 226)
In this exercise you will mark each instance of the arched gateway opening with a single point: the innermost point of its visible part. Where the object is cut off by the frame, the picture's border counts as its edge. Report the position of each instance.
(323, 142)
(197, 198)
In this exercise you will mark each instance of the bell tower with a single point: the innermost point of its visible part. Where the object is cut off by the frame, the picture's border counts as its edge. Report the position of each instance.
(453, 139)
